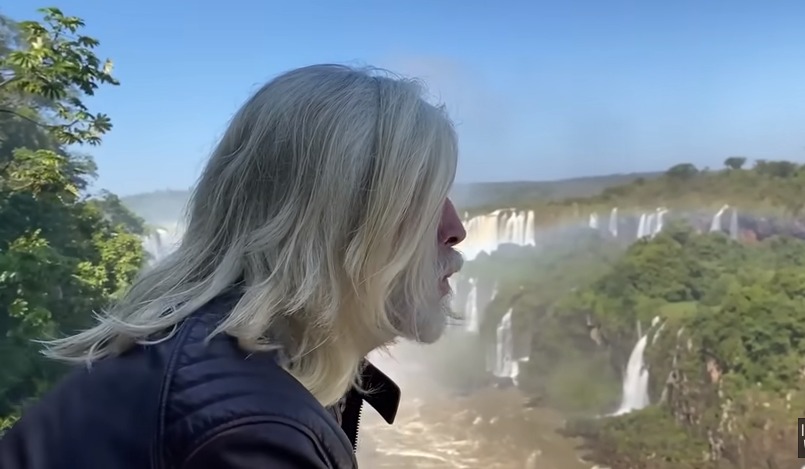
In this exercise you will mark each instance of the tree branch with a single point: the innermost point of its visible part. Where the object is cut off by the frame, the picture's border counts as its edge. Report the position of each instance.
(37, 123)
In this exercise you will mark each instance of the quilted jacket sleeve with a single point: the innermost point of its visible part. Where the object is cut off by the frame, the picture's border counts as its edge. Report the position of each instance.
(268, 444)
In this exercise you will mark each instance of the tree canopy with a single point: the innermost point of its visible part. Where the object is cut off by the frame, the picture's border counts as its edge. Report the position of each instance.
(739, 308)
(64, 252)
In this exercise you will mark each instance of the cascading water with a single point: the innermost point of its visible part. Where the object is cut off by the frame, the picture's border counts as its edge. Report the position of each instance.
(651, 224)
(593, 222)
(505, 364)
(644, 225)
(715, 224)
(613, 222)
(485, 233)
(635, 381)
(473, 320)
(636, 378)
(734, 224)
(162, 241)
(660, 221)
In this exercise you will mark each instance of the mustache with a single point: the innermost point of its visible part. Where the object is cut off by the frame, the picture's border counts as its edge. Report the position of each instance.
(450, 261)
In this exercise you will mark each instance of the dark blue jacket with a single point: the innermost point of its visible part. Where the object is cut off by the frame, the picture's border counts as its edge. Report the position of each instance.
(184, 404)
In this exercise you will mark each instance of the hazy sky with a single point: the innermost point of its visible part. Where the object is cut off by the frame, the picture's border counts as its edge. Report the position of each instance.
(539, 89)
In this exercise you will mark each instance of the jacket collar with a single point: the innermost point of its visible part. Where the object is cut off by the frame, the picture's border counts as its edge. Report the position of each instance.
(382, 393)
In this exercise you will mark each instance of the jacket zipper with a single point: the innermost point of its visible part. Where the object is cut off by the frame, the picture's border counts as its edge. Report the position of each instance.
(351, 418)
(357, 426)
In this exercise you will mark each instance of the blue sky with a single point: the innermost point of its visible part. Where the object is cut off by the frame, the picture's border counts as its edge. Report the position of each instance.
(539, 89)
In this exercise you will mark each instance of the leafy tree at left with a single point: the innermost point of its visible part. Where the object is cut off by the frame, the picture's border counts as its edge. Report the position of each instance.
(64, 253)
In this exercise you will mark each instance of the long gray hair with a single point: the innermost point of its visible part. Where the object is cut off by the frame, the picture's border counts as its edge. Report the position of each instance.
(324, 197)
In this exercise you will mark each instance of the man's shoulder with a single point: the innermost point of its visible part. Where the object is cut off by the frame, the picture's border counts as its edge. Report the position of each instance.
(212, 388)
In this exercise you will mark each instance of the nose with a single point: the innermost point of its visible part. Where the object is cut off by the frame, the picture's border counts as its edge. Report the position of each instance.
(451, 230)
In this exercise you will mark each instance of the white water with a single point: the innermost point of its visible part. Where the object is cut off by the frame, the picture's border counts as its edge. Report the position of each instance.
(715, 224)
(163, 241)
(505, 364)
(636, 378)
(734, 224)
(436, 428)
(635, 381)
(472, 313)
(485, 233)
(613, 222)
(651, 224)
(593, 222)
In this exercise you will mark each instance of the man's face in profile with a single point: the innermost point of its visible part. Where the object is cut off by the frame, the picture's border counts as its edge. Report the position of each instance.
(429, 322)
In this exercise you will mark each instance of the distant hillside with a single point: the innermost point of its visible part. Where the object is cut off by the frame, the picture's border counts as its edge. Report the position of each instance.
(166, 206)
(512, 193)
(159, 207)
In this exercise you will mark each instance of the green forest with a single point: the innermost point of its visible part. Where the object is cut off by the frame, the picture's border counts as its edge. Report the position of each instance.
(64, 252)
(727, 365)
(727, 361)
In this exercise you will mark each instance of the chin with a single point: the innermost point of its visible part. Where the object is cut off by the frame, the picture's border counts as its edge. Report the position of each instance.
(431, 333)
(430, 324)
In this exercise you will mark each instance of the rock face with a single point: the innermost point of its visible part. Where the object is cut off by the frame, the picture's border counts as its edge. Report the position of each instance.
(748, 431)
(697, 421)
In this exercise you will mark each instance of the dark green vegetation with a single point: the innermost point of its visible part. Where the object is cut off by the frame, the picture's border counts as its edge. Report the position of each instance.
(63, 252)
(727, 365)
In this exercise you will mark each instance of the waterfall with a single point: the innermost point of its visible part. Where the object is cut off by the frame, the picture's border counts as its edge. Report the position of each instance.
(530, 228)
(734, 224)
(657, 334)
(613, 222)
(715, 224)
(485, 233)
(514, 228)
(593, 222)
(651, 224)
(660, 221)
(505, 364)
(635, 380)
(471, 297)
(162, 241)
(471, 309)
(645, 226)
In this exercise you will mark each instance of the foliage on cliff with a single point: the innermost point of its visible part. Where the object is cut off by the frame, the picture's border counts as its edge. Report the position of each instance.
(63, 253)
(741, 311)
(726, 357)
(531, 282)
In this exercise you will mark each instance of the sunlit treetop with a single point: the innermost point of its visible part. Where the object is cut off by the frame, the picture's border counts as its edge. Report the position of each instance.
(46, 68)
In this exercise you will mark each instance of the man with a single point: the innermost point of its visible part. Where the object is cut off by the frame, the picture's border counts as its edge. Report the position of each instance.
(319, 230)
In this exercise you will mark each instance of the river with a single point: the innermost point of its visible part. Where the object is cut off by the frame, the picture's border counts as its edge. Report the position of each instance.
(440, 428)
